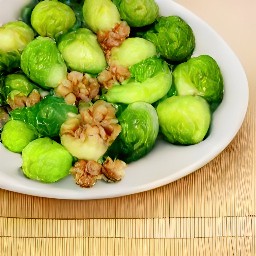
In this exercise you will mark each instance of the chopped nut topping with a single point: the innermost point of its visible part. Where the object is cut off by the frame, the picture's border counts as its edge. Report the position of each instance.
(86, 173)
(23, 101)
(98, 120)
(113, 170)
(113, 75)
(78, 86)
(113, 38)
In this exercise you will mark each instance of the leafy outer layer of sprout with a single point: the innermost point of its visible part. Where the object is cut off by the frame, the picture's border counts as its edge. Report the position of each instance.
(132, 51)
(46, 116)
(138, 13)
(42, 62)
(100, 15)
(173, 37)
(52, 18)
(199, 76)
(45, 160)
(82, 52)
(184, 119)
(15, 35)
(17, 84)
(16, 135)
(139, 122)
(9, 61)
(149, 90)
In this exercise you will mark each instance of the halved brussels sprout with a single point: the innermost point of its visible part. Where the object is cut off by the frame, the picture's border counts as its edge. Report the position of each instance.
(46, 160)
(139, 123)
(132, 51)
(17, 85)
(16, 135)
(201, 76)
(52, 18)
(15, 35)
(82, 52)
(100, 15)
(88, 135)
(138, 13)
(150, 80)
(184, 119)
(42, 62)
(173, 37)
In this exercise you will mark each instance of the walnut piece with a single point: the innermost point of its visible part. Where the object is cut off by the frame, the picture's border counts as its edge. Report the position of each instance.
(25, 101)
(86, 173)
(113, 75)
(113, 38)
(100, 120)
(78, 86)
(113, 170)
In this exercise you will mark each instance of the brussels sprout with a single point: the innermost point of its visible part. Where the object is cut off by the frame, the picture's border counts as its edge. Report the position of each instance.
(52, 18)
(139, 123)
(77, 7)
(9, 61)
(132, 51)
(200, 76)
(100, 15)
(42, 62)
(184, 119)
(45, 160)
(17, 85)
(16, 135)
(150, 80)
(138, 13)
(82, 52)
(15, 35)
(46, 116)
(173, 37)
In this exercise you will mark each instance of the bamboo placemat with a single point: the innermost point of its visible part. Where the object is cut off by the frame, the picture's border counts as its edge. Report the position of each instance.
(210, 212)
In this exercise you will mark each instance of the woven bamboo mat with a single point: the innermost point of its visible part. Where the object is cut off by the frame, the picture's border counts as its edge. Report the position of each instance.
(210, 212)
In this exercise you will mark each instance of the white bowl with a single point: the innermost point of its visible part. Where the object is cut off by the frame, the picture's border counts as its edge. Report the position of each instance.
(166, 163)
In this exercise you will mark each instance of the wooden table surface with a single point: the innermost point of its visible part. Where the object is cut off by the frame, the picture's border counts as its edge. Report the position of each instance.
(210, 212)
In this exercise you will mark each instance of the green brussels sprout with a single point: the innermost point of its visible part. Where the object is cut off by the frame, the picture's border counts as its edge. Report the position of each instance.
(184, 119)
(173, 37)
(200, 76)
(52, 18)
(139, 123)
(150, 80)
(46, 116)
(77, 7)
(17, 85)
(132, 51)
(138, 13)
(16, 135)
(100, 15)
(15, 35)
(42, 62)
(82, 52)
(9, 61)
(46, 160)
